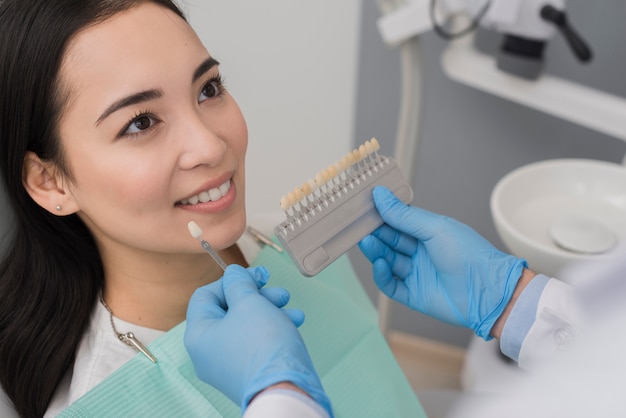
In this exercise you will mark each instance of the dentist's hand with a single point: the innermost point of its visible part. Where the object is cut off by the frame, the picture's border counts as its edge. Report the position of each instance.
(439, 266)
(241, 342)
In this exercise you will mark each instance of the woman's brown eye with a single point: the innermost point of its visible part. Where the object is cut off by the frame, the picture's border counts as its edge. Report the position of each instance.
(142, 123)
(211, 90)
(214, 88)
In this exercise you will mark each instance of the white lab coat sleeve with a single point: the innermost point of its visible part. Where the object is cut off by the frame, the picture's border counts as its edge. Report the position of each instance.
(557, 326)
(522, 317)
(284, 403)
(543, 324)
(579, 330)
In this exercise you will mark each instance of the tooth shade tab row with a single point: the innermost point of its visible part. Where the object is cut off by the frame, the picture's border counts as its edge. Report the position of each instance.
(210, 195)
(332, 212)
(333, 181)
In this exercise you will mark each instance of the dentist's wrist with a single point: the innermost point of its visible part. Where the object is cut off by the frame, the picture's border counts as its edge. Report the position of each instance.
(525, 279)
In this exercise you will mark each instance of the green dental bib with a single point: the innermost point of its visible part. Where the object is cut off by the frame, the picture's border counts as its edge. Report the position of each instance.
(356, 366)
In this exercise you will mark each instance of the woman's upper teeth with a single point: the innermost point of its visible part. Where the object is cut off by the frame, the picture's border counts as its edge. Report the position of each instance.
(210, 195)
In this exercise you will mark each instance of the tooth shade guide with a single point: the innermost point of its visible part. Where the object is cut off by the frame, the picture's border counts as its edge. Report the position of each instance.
(362, 152)
(291, 197)
(339, 168)
(312, 185)
(319, 180)
(308, 192)
(306, 189)
(332, 172)
(328, 179)
(339, 210)
(194, 229)
(284, 203)
(329, 183)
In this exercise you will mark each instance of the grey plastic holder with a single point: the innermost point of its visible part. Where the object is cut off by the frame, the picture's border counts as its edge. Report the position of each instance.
(333, 223)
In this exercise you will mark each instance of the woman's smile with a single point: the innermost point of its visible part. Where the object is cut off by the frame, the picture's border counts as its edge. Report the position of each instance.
(213, 199)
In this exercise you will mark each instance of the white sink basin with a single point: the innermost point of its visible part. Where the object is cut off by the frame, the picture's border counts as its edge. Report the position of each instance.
(556, 212)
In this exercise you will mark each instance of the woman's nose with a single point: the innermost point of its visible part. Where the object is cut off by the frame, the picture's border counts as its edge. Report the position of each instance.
(201, 143)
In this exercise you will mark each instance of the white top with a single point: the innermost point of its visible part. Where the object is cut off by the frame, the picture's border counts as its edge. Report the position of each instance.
(99, 354)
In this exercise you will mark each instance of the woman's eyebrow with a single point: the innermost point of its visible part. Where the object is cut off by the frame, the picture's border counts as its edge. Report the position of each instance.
(147, 95)
(203, 68)
(130, 100)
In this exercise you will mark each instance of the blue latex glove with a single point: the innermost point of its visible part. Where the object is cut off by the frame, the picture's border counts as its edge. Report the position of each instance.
(241, 342)
(439, 266)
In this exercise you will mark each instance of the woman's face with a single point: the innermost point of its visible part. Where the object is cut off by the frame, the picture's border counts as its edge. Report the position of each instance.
(151, 138)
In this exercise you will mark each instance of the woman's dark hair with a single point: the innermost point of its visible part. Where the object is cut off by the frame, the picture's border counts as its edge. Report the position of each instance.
(52, 270)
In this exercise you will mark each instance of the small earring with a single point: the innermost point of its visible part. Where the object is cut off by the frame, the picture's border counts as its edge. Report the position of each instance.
(58, 208)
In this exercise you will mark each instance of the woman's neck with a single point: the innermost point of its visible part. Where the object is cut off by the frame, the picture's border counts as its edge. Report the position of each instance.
(154, 293)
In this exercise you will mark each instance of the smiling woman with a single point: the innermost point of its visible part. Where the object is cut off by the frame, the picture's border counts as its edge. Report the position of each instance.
(107, 143)
(114, 134)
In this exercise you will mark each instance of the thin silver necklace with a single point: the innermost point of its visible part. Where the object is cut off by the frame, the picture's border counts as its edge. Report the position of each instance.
(128, 338)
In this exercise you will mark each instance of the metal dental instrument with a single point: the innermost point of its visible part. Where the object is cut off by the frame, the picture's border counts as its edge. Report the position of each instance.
(264, 239)
(196, 232)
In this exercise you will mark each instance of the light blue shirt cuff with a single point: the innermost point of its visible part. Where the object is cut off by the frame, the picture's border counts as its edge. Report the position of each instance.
(522, 317)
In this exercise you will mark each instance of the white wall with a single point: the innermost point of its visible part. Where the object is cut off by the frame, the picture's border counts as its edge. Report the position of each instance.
(292, 67)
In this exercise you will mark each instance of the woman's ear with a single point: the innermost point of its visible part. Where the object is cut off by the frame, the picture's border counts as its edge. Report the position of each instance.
(45, 186)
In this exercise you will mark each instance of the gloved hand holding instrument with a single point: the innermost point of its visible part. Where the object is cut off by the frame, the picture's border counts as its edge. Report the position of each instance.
(232, 319)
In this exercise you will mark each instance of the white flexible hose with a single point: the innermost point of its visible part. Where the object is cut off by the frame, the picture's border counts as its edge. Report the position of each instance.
(407, 136)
